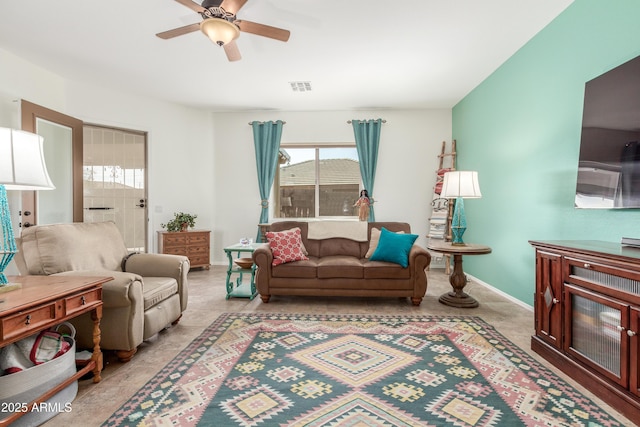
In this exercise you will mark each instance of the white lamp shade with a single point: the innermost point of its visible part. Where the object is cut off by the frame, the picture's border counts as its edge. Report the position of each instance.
(220, 31)
(461, 184)
(22, 165)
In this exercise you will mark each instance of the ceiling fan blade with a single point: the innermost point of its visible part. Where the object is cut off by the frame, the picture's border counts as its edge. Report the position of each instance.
(191, 5)
(179, 31)
(232, 51)
(263, 30)
(233, 6)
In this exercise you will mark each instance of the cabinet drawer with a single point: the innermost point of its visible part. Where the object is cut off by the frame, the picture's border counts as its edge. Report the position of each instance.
(610, 280)
(197, 250)
(178, 250)
(199, 260)
(198, 239)
(83, 301)
(175, 239)
(22, 323)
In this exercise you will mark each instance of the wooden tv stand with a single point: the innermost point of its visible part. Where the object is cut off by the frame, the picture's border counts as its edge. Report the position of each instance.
(587, 316)
(45, 301)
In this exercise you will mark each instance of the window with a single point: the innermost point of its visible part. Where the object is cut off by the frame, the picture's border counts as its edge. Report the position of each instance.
(317, 181)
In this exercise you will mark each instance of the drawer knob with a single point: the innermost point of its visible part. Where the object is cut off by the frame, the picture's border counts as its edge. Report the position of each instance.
(83, 301)
(28, 321)
(630, 332)
(555, 300)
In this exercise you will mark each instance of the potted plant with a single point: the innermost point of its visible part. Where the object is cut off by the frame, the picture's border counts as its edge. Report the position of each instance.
(180, 222)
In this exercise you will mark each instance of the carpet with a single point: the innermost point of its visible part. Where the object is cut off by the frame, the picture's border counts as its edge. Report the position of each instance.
(250, 369)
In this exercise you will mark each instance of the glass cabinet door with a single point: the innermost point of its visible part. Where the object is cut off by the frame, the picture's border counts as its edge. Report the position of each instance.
(595, 332)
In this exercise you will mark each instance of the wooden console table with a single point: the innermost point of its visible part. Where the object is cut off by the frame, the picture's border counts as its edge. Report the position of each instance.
(45, 301)
(458, 279)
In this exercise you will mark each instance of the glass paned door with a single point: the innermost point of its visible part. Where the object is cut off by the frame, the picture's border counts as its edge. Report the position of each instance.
(595, 332)
(114, 181)
(56, 206)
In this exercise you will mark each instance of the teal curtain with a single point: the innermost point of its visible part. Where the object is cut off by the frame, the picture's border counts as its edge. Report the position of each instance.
(266, 140)
(367, 134)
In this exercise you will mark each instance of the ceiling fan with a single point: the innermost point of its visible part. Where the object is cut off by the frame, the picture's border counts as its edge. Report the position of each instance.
(222, 27)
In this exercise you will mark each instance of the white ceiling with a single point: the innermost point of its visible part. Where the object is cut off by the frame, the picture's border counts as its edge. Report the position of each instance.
(357, 54)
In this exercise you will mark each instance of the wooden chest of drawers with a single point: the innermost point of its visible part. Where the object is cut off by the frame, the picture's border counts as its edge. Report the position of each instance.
(192, 244)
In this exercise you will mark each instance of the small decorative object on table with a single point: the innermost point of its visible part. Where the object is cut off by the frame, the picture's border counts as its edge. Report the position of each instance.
(245, 263)
(180, 222)
(363, 204)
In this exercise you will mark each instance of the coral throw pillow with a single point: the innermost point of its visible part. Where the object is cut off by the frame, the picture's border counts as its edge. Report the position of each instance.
(286, 246)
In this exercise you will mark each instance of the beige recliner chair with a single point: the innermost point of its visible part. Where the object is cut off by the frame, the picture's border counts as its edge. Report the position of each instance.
(148, 293)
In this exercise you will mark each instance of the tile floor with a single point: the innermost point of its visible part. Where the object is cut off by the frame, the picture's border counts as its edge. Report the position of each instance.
(96, 402)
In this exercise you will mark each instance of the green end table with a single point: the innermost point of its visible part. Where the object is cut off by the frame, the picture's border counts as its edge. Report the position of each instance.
(235, 287)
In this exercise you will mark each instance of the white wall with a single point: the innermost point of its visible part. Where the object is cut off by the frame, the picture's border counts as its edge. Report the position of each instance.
(204, 163)
(409, 144)
(180, 139)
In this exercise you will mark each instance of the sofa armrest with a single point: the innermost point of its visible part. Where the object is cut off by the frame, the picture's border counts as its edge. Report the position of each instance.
(162, 265)
(262, 258)
(419, 260)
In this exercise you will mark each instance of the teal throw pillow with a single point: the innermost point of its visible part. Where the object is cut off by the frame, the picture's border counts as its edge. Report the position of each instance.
(394, 247)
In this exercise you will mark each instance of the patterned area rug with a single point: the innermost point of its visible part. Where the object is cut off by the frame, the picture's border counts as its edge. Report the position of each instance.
(355, 370)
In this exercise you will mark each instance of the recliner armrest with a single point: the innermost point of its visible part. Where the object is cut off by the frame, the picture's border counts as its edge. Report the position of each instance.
(122, 322)
(124, 290)
(162, 265)
(157, 265)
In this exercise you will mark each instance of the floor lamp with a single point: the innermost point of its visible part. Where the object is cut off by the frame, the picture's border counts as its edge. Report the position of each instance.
(460, 185)
(22, 167)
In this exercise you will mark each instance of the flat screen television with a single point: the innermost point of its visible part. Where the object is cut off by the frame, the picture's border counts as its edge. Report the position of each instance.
(609, 161)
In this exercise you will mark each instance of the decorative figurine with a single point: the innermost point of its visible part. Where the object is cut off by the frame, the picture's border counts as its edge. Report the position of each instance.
(363, 204)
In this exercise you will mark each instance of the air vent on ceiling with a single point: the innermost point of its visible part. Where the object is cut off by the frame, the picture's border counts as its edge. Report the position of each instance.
(300, 86)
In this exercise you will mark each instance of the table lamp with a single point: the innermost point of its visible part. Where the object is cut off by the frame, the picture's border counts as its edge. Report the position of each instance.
(460, 185)
(22, 167)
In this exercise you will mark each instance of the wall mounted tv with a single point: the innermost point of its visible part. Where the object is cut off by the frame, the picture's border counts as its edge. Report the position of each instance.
(609, 163)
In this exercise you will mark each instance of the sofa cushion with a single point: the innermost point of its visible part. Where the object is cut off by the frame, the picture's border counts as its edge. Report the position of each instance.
(385, 270)
(50, 249)
(394, 247)
(157, 289)
(339, 246)
(286, 246)
(304, 269)
(340, 267)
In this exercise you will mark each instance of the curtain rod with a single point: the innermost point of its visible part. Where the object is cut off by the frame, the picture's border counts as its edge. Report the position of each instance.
(261, 123)
(349, 121)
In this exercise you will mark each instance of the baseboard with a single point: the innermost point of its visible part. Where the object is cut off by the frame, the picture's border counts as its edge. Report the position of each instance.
(499, 292)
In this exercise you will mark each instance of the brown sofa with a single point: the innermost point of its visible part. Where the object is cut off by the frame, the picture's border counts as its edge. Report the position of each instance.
(338, 267)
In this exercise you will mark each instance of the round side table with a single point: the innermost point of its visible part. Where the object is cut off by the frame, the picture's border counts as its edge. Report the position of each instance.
(458, 279)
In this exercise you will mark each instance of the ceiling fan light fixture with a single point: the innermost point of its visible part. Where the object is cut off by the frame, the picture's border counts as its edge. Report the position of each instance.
(219, 30)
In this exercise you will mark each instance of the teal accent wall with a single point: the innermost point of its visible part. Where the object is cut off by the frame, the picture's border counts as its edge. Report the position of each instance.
(520, 129)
